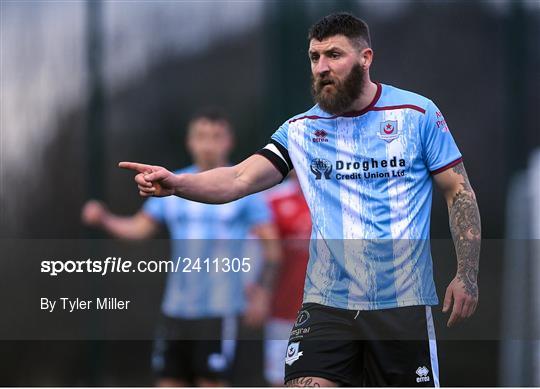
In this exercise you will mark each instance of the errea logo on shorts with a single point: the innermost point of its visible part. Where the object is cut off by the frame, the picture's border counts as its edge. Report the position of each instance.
(423, 374)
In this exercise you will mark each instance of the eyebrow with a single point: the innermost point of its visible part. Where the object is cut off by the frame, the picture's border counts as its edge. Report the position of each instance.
(329, 50)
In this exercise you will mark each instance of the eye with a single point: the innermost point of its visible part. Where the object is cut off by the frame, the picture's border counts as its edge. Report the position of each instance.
(335, 55)
(313, 57)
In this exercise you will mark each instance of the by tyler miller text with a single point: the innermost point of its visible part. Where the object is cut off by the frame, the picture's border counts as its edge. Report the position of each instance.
(78, 304)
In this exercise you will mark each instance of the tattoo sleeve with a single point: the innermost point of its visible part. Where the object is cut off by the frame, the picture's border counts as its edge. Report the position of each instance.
(466, 232)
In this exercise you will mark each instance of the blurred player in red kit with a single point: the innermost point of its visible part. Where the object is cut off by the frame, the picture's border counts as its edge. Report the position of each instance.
(293, 221)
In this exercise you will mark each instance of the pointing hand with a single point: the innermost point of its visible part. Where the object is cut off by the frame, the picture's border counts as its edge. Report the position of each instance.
(152, 180)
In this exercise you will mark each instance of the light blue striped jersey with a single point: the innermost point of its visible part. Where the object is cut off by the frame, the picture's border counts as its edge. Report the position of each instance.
(367, 177)
(206, 231)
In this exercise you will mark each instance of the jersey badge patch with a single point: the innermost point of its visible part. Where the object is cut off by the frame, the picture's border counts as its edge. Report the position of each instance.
(293, 353)
(388, 130)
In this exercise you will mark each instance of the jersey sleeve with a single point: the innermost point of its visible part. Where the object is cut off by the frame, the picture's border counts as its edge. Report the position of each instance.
(154, 207)
(440, 151)
(276, 151)
(257, 210)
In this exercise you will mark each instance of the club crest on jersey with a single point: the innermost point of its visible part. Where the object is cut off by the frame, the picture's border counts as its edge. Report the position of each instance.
(293, 353)
(388, 130)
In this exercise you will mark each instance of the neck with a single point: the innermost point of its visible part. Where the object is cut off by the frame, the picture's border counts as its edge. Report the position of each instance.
(366, 96)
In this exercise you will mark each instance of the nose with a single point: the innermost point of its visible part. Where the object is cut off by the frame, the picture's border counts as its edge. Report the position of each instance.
(322, 66)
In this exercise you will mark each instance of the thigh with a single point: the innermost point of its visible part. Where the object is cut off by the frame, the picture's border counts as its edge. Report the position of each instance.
(400, 347)
(322, 345)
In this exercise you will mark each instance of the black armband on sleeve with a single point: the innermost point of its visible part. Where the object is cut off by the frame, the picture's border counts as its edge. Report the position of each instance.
(278, 156)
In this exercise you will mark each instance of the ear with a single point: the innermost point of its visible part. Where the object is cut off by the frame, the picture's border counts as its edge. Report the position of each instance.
(366, 58)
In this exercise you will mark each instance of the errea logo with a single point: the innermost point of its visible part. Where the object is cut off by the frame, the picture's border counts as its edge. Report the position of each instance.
(320, 136)
(423, 374)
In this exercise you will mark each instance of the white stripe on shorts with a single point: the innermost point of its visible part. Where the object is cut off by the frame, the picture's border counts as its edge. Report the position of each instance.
(432, 347)
(228, 337)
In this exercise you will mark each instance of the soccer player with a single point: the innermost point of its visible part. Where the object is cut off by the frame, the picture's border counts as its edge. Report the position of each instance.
(293, 222)
(205, 302)
(366, 156)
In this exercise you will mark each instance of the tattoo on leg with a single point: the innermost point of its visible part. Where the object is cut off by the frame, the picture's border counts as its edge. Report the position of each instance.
(466, 233)
(302, 382)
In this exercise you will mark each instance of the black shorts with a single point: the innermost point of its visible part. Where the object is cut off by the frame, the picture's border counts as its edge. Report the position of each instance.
(187, 349)
(389, 347)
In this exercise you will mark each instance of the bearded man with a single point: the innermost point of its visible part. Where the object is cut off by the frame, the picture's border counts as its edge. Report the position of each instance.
(366, 156)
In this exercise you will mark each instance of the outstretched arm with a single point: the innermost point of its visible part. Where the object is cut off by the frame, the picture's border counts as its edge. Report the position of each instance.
(216, 186)
(139, 226)
(466, 232)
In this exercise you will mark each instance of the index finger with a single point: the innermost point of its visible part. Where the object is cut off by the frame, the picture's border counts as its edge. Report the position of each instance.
(138, 167)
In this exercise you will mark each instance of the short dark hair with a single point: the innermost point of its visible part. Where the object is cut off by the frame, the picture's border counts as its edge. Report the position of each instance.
(212, 114)
(341, 23)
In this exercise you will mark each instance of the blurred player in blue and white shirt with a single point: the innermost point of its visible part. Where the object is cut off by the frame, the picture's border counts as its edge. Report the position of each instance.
(203, 302)
(213, 231)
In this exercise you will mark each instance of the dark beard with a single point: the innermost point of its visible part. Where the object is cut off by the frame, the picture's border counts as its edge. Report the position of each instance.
(346, 92)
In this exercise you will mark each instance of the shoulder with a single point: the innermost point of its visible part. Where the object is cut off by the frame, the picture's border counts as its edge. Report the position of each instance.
(282, 133)
(313, 113)
(393, 96)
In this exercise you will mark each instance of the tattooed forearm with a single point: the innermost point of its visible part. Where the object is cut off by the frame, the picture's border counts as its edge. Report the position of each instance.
(466, 233)
(302, 382)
